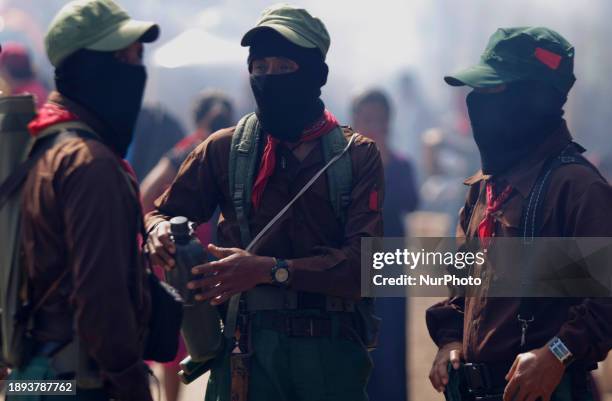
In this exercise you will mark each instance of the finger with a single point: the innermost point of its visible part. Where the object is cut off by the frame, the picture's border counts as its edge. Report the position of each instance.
(442, 369)
(221, 253)
(209, 268)
(510, 390)
(155, 258)
(533, 397)
(167, 242)
(206, 283)
(455, 358)
(222, 298)
(160, 251)
(211, 293)
(512, 370)
(522, 394)
(433, 378)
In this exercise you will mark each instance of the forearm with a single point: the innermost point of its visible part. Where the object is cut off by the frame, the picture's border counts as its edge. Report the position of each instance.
(332, 274)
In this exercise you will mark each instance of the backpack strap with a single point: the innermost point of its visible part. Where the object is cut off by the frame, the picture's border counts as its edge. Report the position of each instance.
(532, 209)
(339, 175)
(531, 220)
(48, 138)
(244, 153)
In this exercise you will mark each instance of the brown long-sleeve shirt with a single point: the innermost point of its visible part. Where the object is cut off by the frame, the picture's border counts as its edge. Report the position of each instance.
(325, 255)
(578, 204)
(79, 213)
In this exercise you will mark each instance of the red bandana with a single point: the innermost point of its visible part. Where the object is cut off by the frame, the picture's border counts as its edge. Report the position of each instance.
(486, 228)
(323, 126)
(50, 114)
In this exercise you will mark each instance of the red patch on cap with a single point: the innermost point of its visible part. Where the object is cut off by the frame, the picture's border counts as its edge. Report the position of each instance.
(552, 60)
(374, 201)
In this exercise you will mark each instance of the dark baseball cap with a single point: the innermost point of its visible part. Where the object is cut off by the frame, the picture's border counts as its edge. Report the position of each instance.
(521, 54)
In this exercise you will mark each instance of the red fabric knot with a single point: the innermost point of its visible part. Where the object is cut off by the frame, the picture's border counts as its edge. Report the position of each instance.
(486, 228)
(321, 127)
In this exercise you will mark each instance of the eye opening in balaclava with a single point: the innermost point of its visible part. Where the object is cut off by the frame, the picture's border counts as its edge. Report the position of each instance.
(287, 103)
(510, 125)
(108, 88)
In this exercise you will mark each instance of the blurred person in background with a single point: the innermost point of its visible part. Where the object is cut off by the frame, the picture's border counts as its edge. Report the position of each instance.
(18, 73)
(523, 349)
(414, 116)
(371, 115)
(157, 131)
(212, 111)
(299, 333)
(81, 214)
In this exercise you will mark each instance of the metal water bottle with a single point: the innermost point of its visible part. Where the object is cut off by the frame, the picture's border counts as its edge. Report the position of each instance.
(201, 327)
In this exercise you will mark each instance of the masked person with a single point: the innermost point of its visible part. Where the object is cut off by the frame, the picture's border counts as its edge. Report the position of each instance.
(81, 208)
(516, 112)
(301, 280)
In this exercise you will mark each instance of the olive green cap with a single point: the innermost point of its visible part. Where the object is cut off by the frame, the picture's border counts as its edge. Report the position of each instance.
(95, 25)
(294, 24)
(520, 54)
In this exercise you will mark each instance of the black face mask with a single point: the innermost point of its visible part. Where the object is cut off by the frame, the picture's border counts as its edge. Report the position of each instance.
(286, 104)
(109, 89)
(509, 125)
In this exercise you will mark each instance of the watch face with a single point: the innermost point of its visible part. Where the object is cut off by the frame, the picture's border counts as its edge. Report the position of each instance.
(281, 275)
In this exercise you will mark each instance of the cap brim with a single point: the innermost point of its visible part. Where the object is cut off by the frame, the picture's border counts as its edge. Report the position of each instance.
(482, 76)
(128, 32)
(286, 32)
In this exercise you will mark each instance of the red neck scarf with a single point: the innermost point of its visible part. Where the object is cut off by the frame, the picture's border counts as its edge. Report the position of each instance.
(486, 228)
(50, 114)
(323, 126)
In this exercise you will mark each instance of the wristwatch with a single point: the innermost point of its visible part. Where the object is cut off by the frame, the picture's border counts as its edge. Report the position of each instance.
(280, 272)
(560, 351)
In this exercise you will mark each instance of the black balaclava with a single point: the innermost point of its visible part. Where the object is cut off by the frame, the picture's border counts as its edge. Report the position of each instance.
(509, 125)
(287, 103)
(108, 88)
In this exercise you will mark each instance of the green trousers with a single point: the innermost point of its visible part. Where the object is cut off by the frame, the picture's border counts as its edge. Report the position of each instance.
(286, 368)
(39, 368)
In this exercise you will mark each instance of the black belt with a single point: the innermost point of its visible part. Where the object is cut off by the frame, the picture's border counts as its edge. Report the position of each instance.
(337, 325)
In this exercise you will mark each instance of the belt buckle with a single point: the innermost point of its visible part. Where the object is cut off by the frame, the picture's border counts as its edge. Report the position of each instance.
(477, 377)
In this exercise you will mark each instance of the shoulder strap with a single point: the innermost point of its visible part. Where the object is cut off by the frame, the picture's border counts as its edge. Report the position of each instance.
(532, 210)
(48, 139)
(242, 167)
(531, 220)
(340, 175)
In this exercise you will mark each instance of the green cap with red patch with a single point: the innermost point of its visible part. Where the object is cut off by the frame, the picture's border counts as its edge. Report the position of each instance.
(521, 54)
